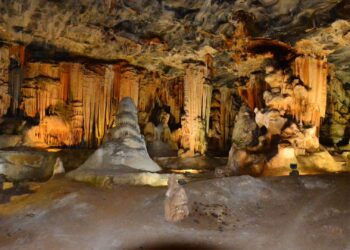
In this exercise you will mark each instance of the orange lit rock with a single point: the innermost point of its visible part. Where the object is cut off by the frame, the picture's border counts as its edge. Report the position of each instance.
(52, 131)
(5, 98)
(313, 72)
(195, 109)
(272, 120)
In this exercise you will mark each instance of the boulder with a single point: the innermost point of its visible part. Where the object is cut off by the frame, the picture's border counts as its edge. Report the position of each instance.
(9, 141)
(241, 161)
(18, 166)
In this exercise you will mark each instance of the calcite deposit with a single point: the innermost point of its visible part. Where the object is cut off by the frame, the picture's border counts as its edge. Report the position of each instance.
(162, 93)
(205, 77)
(124, 147)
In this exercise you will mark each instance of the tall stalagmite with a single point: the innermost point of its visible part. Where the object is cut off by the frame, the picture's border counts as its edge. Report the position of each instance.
(196, 99)
(313, 72)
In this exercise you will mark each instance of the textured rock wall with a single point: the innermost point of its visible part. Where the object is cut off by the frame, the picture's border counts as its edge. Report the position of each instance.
(289, 98)
(81, 98)
(74, 103)
(5, 98)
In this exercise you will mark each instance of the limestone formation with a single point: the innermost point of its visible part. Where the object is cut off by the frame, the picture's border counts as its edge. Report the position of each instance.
(195, 71)
(243, 161)
(176, 201)
(244, 132)
(272, 120)
(58, 167)
(124, 149)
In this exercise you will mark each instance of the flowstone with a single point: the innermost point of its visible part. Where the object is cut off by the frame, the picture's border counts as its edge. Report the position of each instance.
(124, 153)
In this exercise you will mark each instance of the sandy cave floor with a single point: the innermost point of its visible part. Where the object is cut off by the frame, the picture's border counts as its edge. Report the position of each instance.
(307, 212)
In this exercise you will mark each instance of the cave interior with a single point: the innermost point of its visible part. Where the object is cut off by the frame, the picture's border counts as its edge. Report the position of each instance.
(161, 92)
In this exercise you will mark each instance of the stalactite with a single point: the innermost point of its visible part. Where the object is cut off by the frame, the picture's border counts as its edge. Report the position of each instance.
(5, 98)
(110, 104)
(77, 123)
(225, 94)
(149, 84)
(15, 82)
(17, 61)
(18, 53)
(313, 73)
(76, 82)
(86, 97)
(129, 86)
(193, 99)
(117, 81)
(252, 93)
(33, 70)
(64, 75)
(208, 89)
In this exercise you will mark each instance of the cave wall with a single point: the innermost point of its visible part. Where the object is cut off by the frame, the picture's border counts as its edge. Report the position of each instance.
(73, 103)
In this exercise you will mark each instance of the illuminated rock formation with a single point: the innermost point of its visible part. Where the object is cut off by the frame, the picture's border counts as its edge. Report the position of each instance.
(52, 131)
(295, 95)
(5, 98)
(313, 73)
(244, 131)
(197, 99)
(124, 148)
(271, 120)
(187, 72)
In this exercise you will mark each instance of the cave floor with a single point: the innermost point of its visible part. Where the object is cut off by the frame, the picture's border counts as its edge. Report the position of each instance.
(306, 212)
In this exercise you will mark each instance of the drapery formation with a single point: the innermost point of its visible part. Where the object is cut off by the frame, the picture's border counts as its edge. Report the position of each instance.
(197, 99)
(5, 98)
(313, 73)
(17, 61)
(75, 103)
(83, 96)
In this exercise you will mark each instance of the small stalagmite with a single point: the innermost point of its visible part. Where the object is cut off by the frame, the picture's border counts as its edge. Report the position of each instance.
(176, 201)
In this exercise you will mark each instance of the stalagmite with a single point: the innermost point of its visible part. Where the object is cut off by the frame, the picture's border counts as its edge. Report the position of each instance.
(176, 201)
(124, 149)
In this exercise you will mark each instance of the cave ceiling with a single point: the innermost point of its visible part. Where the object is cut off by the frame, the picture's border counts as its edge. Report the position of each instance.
(164, 35)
